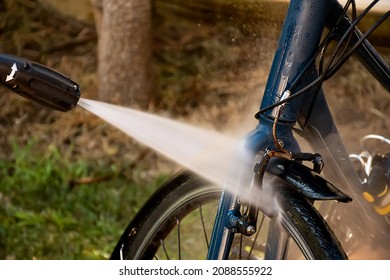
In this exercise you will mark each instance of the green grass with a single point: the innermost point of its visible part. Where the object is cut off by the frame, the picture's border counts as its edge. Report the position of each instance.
(43, 217)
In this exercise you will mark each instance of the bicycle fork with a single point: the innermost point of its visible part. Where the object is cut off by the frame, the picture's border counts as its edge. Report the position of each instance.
(231, 220)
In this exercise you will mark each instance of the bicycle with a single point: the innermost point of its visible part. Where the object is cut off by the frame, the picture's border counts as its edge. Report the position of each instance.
(241, 225)
(231, 227)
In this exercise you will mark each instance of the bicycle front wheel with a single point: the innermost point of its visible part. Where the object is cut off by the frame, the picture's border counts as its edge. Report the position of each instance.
(177, 222)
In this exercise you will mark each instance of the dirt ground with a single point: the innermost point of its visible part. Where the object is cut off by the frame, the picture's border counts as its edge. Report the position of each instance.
(221, 91)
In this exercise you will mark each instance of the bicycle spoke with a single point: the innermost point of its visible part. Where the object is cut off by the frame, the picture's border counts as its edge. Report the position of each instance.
(178, 237)
(277, 241)
(240, 251)
(165, 249)
(256, 236)
(204, 227)
(121, 253)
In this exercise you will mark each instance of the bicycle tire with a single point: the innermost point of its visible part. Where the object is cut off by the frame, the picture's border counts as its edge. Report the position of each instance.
(149, 233)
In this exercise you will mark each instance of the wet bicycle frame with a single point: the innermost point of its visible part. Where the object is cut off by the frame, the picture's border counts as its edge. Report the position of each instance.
(300, 37)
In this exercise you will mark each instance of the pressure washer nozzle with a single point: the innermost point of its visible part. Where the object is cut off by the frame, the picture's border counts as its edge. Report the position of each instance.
(38, 83)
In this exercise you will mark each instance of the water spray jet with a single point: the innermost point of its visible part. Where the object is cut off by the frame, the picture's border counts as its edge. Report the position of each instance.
(206, 152)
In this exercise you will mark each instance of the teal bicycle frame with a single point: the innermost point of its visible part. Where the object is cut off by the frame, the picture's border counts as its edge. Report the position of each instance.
(293, 69)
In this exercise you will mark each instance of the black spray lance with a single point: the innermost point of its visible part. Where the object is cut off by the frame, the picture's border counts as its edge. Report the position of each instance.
(38, 83)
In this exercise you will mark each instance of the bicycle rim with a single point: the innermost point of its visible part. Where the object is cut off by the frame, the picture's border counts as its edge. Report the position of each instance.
(177, 223)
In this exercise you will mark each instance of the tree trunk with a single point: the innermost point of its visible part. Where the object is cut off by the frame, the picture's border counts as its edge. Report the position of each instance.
(124, 51)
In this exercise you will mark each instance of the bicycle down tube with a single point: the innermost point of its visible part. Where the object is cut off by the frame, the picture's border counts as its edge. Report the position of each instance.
(300, 37)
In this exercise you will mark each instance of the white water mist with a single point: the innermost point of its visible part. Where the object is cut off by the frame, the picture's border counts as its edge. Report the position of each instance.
(205, 152)
(218, 158)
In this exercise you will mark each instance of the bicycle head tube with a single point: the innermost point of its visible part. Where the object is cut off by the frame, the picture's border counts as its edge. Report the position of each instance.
(38, 83)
